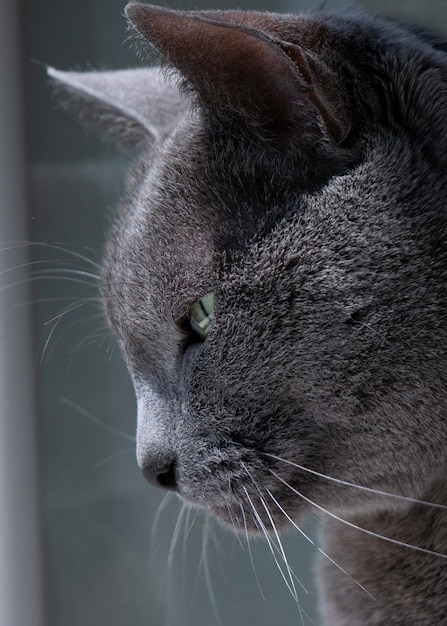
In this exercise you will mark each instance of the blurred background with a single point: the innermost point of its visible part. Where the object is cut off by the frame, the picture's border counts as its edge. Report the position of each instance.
(84, 541)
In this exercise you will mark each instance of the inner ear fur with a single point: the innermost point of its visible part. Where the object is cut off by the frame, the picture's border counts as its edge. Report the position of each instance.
(130, 105)
(240, 71)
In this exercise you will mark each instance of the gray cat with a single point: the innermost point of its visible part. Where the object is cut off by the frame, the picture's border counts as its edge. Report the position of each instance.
(277, 284)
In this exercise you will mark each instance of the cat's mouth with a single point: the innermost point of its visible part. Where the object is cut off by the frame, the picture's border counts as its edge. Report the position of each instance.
(257, 511)
(242, 489)
(233, 478)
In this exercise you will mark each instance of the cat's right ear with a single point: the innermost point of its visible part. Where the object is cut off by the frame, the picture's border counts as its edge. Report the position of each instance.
(242, 73)
(132, 106)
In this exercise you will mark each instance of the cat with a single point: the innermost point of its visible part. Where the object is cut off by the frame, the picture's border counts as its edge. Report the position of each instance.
(277, 284)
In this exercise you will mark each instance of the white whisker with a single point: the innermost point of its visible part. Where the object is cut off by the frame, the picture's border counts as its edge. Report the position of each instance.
(83, 320)
(251, 554)
(207, 573)
(67, 310)
(103, 340)
(186, 530)
(94, 419)
(63, 272)
(96, 335)
(191, 525)
(291, 589)
(47, 341)
(174, 540)
(355, 526)
(356, 486)
(92, 300)
(278, 539)
(37, 262)
(231, 515)
(67, 279)
(169, 495)
(112, 457)
(112, 351)
(236, 535)
(320, 550)
(292, 576)
(60, 246)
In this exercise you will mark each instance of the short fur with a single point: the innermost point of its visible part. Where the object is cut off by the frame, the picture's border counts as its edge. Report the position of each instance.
(296, 167)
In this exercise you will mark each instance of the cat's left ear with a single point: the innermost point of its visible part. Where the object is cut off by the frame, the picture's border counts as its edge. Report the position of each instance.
(130, 105)
(242, 72)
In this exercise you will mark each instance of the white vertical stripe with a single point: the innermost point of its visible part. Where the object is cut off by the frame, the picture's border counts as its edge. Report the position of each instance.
(21, 598)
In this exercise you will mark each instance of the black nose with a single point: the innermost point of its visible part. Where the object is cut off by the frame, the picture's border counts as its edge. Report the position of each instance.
(161, 474)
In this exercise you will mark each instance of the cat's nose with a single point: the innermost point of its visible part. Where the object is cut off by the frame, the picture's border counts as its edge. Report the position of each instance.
(161, 473)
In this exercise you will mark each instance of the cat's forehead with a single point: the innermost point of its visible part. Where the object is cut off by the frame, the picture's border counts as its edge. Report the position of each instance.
(161, 251)
(171, 212)
(215, 183)
(199, 193)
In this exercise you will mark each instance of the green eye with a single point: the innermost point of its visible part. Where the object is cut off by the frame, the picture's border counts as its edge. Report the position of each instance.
(201, 316)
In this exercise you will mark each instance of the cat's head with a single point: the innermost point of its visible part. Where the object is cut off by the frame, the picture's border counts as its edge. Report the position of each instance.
(276, 280)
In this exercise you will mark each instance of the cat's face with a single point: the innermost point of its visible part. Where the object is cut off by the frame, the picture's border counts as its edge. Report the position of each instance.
(298, 178)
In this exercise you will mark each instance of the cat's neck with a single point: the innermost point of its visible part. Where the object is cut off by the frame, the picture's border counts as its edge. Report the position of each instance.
(407, 586)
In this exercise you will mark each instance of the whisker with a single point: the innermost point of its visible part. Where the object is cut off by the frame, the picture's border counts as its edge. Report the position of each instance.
(292, 590)
(96, 335)
(355, 526)
(60, 246)
(320, 550)
(112, 457)
(77, 321)
(251, 554)
(191, 525)
(281, 548)
(112, 352)
(104, 339)
(68, 309)
(232, 516)
(186, 530)
(207, 573)
(93, 300)
(46, 275)
(47, 342)
(174, 541)
(236, 535)
(290, 572)
(278, 539)
(94, 419)
(69, 271)
(216, 542)
(67, 279)
(37, 262)
(97, 331)
(356, 486)
(29, 278)
(167, 497)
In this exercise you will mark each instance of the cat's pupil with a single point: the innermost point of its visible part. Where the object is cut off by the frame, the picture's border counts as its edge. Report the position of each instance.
(200, 316)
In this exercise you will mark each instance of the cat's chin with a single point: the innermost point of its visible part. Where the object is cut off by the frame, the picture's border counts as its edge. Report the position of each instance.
(242, 487)
(255, 514)
(244, 521)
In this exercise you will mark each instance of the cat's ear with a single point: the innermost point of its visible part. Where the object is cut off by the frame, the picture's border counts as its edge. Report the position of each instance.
(241, 71)
(129, 105)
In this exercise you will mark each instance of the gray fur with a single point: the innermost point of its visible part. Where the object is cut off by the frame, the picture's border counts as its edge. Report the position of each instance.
(320, 224)
(117, 102)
